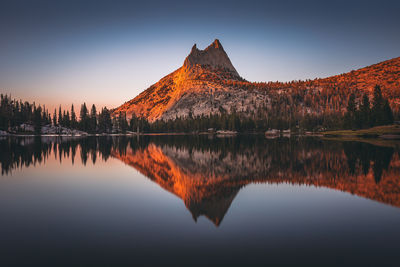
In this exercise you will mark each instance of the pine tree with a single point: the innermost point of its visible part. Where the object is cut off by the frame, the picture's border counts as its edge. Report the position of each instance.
(387, 113)
(365, 112)
(133, 123)
(122, 123)
(67, 121)
(73, 118)
(349, 119)
(64, 119)
(105, 124)
(44, 115)
(93, 119)
(55, 117)
(84, 122)
(377, 107)
(37, 119)
(60, 119)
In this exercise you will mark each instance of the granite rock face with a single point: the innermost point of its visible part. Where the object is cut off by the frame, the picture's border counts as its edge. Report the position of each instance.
(208, 83)
(213, 56)
(199, 87)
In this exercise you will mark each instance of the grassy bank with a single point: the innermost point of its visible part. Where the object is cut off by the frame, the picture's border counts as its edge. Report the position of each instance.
(387, 131)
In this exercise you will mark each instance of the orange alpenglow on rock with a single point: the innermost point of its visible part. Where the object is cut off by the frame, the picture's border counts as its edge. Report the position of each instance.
(208, 83)
(201, 72)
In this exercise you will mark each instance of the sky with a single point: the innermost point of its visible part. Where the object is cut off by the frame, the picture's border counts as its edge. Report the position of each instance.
(107, 52)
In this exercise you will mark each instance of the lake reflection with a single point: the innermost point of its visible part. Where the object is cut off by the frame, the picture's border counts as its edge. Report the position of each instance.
(208, 173)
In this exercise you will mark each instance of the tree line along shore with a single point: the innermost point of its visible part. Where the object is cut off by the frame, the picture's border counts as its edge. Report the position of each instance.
(18, 117)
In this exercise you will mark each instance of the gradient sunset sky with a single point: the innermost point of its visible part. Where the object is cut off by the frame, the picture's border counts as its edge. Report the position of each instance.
(107, 52)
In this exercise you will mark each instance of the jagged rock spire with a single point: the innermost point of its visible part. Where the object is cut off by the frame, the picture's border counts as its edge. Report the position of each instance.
(216, 44)
(213, 56)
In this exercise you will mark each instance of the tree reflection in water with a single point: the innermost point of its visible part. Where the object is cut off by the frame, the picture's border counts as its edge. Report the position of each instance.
(207, 173)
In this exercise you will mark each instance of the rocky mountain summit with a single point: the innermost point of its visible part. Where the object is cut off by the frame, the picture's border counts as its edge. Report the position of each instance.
(208, 84)
(197, 88)
(213, 56)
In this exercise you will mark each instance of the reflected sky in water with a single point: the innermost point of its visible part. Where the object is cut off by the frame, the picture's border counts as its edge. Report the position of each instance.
(180, 200)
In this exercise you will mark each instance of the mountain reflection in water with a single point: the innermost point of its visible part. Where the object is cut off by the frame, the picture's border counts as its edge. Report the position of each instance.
(207, 173)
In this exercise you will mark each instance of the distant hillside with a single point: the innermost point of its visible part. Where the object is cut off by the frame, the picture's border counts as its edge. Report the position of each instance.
(386, 74)
(208, 83)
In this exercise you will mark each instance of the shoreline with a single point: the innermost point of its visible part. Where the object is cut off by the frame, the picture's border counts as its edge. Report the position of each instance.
(388, 132)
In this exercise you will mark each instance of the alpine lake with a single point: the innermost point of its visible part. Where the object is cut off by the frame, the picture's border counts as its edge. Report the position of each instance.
(199, 200)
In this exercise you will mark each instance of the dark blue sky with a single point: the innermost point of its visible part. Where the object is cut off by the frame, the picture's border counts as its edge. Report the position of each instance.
(106, 52)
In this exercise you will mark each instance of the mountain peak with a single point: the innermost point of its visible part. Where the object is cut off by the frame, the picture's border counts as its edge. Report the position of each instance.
(213, 56)
(216, 44)
(208, 84)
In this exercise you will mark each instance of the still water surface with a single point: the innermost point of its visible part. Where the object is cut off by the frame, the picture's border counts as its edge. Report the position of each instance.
(196, 200)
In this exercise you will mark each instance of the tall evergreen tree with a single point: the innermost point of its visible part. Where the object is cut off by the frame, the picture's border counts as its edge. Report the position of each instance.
(349, 119)
(64, 119)
(37, 119)
(93, 119)
(44, 115)
(122, 123)
(365, 112)
(133, 123)
(55, 117)
(84, 122)
(377, 107)
(73, 118)
(67, 121)
(105, 124)
(60, 118)
(387, 113)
